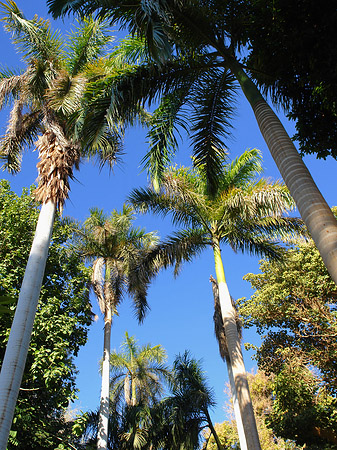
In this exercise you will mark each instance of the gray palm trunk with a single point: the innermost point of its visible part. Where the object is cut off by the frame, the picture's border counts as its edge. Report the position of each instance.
(235, 355)
(312, 206)
(103, 421)
(17, 348)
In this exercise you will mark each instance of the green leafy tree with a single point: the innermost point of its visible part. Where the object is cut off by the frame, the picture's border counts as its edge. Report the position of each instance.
(294, 309)
(297, 67)
(197, 47)
(115, 247)
(246, 213)
(62, 320)
(302, 409)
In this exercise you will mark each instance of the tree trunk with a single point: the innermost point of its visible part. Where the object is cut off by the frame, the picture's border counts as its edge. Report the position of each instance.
(18, 343)
(312, 206)
(213, 431)
(235, 355)
(236, 407)
(103, 421)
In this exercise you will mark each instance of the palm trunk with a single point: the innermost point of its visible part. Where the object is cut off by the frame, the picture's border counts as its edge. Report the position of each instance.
(235, 355)
(236, 407)
(312, 206)
(213, 431)
(103, 422)
(18, 343)
(222, 341)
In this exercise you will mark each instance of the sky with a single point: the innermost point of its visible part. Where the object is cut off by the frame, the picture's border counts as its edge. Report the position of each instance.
(181, 308)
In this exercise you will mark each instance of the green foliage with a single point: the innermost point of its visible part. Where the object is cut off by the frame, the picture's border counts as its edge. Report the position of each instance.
(60, 329)
(296, 63)
(295, 303)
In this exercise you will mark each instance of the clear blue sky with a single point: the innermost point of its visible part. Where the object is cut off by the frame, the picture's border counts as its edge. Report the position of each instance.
(182, 308)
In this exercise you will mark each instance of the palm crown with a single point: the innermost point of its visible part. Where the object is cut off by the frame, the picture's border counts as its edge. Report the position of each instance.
(116, 249)
(138, 372)
(48, 100)
(245, 213)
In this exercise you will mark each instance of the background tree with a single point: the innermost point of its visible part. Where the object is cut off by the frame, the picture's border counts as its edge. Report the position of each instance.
(245, 213)
(116, 247)
(198, 44)
(297, 66)
(294, 309)
(61, 326)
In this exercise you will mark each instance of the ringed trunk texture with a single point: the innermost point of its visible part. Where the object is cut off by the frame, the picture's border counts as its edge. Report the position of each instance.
(312, 206)
(19, 338)
(235, 355)
(103, 421)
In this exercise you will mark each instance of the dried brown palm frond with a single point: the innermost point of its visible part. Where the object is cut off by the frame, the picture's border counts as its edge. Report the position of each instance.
(219, 328)
(10, 86)
(97, 282)
(55, 166)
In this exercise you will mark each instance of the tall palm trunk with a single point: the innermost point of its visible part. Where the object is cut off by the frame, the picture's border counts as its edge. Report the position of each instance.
(222, 341)
(103, 422)
(235, 354)
(18, 343)
(312, 206)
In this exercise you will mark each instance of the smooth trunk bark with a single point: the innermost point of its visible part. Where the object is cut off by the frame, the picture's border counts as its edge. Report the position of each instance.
(19, 338)
(235, 355)
(103, 422)
(236, 407)
(312, 206)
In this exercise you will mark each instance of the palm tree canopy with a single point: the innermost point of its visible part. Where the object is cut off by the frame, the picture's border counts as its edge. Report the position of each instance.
(194, 42)
(246, 213)
(138, 373)
(116, 249)
(50, 97)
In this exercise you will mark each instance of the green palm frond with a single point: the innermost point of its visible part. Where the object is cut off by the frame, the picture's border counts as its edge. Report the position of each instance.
(162, 136)
(130, 51)
(33, 38)
(243, 169)
(65, 94)
(87, 44)
(213, 108)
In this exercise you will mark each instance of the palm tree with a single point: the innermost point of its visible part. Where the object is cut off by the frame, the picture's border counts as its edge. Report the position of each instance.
(246, 214)
(191, 396)
(45, 98)
(115, 247)
(198, 45)
(138, 373)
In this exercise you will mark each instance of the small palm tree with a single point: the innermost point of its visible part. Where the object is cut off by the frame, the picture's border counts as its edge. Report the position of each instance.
(116, 248)
(138, 373)
(245, 213)
(192, 396)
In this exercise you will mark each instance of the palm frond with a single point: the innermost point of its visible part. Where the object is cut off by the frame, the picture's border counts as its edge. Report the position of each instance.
(162, 135)
(87, 44)
(10, 86)
(243, 169)
(34, 38)
(21, 132)
(213, 109)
